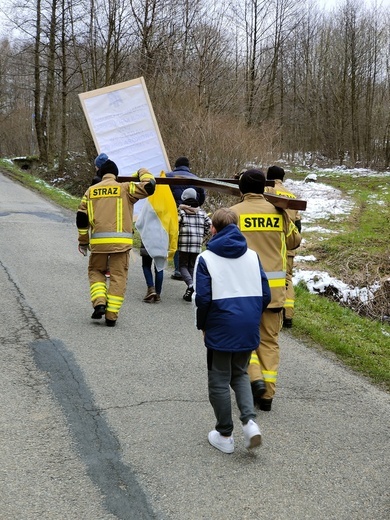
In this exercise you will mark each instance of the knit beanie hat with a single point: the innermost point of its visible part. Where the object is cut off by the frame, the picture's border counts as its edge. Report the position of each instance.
(101, 159)
(252, 181)
(189, 193)
(182, 161)
(275, 172)
(108, 167)
(238, 174)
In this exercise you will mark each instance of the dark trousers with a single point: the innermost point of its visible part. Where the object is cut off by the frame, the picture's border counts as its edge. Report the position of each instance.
(187, 264)
(176, 262)
(225, 370)
(148, 274)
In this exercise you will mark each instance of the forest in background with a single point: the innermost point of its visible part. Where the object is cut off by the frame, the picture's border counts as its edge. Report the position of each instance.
(232, 83)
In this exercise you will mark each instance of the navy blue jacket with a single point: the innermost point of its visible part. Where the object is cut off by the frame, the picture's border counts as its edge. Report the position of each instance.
(184, 171)
(231, 292)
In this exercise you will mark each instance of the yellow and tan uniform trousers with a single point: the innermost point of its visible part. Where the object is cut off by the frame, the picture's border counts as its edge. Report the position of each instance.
(265, 360)
(105, 223)
(110, 293)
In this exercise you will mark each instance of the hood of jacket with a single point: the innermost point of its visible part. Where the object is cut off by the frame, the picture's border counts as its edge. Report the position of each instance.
(228, 243)
(179, 170)
(191, 206)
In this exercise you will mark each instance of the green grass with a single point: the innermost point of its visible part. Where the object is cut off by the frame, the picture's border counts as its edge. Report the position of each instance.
(361, 242)
(60, 197)
(360, 343)
(358, 251)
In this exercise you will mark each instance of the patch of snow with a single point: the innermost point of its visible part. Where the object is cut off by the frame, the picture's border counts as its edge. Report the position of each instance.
(308, 258)
(316, 229)
(312, 177)
(374, 198)
(323, 201)
(318, 281)
(49, 187)
(326, 202)
(353, 172)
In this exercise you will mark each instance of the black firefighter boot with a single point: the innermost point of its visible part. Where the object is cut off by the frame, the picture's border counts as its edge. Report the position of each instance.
(98, 312)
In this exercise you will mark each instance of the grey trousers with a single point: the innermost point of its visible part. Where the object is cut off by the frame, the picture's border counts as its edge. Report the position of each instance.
(186, 266)
(225, 370)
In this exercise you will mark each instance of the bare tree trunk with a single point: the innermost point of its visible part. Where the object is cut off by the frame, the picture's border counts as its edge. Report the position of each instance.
(37, 81)
(251, 69)
(387, 146)
(45, 119)
(371, 92)
(353, 65)
(64, 91)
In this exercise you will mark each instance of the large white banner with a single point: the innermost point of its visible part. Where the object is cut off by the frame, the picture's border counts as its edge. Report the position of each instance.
(123, 125)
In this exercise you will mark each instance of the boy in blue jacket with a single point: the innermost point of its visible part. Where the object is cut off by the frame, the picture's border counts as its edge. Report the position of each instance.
(231, 292)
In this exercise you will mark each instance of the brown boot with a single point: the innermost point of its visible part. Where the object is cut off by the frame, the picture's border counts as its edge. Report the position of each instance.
(150, 294)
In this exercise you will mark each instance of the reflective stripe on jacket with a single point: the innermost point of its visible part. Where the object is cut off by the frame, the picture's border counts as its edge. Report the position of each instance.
(270, 232)
(280, 189)
(109, 208)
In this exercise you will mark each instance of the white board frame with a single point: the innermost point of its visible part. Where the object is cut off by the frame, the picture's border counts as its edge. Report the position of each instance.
(123, 125)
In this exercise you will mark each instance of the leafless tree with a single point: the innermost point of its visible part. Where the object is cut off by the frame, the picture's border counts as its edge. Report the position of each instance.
(304, 80)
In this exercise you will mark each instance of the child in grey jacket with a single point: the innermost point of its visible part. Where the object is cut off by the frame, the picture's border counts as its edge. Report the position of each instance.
(194, 224)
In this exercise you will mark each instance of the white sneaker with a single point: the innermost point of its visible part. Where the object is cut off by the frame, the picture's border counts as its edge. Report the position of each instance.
(225, 444)
(252, 434)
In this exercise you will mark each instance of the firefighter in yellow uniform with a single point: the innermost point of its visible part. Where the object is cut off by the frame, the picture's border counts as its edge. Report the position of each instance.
(105, 225)
(276, 173)
(270, 232)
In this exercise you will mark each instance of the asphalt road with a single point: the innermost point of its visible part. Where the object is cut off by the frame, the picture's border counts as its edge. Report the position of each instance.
(100, 423)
